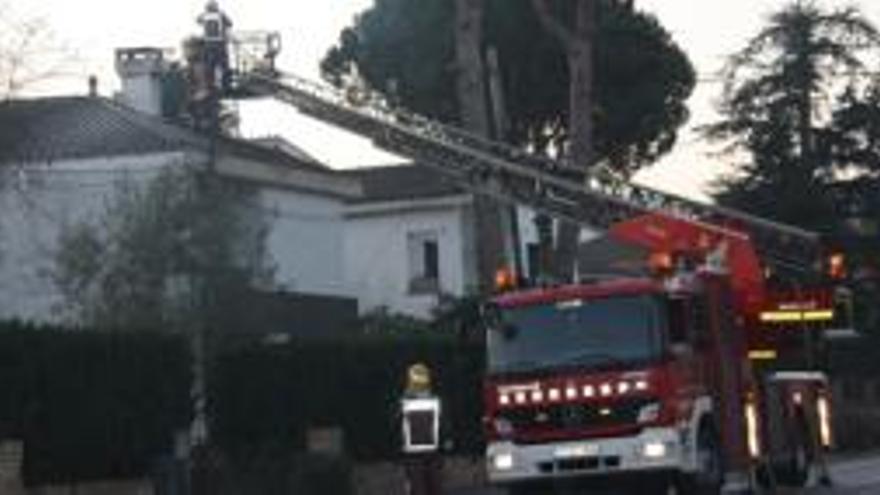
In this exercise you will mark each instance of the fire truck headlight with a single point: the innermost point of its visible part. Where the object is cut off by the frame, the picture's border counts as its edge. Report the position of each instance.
(503, 461)
(649, 413)
(654, 450)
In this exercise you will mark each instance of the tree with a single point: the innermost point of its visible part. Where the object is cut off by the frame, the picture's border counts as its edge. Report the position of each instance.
(626, 112)
(642, 78)
(856, 131)
(770, 111)
(577, 42)
(29, 52)
(171, 254)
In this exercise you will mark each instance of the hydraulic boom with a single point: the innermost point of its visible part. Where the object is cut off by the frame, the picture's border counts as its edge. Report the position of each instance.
(562, 190)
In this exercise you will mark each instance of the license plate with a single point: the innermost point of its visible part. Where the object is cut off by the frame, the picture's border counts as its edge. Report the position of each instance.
(573, 451)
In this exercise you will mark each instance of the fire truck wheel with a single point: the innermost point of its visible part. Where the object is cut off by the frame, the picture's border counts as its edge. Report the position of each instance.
(710, 476)
(797, 470)
(530, 489)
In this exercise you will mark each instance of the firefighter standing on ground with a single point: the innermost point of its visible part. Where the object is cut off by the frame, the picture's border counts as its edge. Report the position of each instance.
(420, 414)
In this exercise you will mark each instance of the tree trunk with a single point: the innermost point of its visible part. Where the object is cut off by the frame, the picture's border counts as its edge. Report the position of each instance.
(580, 123)
(473, 110)
(469, 64)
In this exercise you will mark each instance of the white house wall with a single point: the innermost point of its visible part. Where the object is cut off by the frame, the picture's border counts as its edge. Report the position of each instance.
(376, 254)
(37, 201)
(306, 241)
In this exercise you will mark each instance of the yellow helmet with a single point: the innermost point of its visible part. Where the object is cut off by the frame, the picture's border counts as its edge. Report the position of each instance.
(418, 378)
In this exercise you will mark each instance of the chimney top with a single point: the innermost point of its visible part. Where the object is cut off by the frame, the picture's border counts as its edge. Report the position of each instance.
(141, 70)
(139, 61)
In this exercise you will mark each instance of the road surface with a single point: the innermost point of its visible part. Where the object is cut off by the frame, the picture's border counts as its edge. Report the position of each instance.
(852, 476)
(858, 476)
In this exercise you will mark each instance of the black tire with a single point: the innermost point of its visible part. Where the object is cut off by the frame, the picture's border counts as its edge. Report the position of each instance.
(710, 477)
(533, 488)
(796, 469)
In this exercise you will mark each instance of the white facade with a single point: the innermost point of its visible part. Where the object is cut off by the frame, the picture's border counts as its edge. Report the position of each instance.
(384, 253)
(38, 201)
(305, 241)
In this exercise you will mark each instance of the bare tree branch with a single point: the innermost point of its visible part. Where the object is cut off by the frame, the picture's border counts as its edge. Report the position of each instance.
(29, 53)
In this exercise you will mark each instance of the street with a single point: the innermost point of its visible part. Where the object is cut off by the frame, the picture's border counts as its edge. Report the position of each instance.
(858, 476)
(851, 476)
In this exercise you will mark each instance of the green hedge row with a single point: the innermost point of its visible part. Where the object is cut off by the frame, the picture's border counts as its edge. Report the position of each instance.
(91, 405)
(267, 397)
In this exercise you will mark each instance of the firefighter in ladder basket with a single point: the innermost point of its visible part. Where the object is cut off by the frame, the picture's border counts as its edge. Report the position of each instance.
(216, 26)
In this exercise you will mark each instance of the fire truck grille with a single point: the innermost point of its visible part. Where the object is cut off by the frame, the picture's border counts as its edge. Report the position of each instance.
(576, 416)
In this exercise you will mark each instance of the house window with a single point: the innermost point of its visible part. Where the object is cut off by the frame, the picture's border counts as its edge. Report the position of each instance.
(424, 262)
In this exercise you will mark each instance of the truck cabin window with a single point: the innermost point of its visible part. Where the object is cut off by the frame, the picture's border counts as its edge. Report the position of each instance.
(595, 334)
(687, 323)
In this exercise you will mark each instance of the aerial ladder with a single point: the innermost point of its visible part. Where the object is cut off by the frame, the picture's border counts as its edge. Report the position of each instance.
(593, 199)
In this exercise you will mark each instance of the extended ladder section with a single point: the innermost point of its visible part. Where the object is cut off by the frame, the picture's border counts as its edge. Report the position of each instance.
(594, 200)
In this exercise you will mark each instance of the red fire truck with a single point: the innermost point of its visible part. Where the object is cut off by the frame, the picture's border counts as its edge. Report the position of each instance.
(705, 371)
(702, 372)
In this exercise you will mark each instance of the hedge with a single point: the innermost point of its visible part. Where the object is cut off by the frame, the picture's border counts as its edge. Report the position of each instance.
(91, 405)
(267, 397)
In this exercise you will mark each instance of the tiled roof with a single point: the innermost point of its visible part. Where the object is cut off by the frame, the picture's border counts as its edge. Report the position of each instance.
(48, 129)
(402, 183)
(65, 128)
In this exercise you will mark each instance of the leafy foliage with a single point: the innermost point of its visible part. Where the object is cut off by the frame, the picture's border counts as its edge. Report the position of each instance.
(770, 112)
(168, 254)
(643, 78)
(856, 129)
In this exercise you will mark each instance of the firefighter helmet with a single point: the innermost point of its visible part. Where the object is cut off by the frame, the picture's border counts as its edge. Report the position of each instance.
(418, 378)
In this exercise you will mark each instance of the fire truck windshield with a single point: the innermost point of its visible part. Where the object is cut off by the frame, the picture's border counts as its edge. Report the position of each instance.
(599, 333)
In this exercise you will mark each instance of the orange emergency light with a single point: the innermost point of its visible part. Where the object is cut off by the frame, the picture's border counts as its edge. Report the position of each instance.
(660, 262)
(505, 279)
(837, 266)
